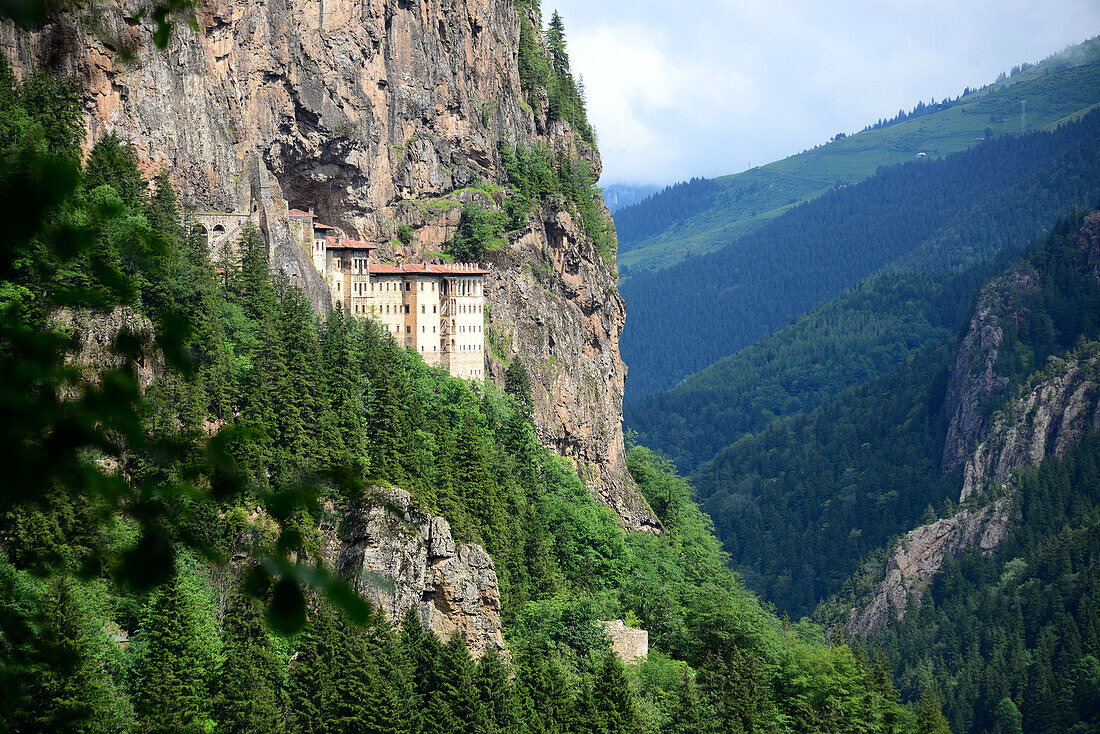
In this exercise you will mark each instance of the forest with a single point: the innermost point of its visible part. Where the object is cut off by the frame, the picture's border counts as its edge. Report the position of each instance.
(923, 216)
(174, 425)
(790, 502)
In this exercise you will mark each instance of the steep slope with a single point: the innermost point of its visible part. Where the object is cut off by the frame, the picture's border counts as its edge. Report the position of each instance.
(375, 115)
(1022, 322)
(791, 502)
(666, 228)
(924, 216)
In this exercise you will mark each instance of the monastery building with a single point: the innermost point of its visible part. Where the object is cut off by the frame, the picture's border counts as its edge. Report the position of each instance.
(436, 309)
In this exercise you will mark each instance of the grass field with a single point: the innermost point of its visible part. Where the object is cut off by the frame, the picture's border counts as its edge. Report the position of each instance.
(1056, 90)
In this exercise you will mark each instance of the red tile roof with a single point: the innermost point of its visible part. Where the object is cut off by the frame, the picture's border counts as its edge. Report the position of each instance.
(300, 213)
(333, 243)
(318, 225)
(426, 269)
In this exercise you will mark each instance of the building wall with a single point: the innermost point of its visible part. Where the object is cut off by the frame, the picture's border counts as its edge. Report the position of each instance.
(388, 299)
(425, 312)
(467, 318)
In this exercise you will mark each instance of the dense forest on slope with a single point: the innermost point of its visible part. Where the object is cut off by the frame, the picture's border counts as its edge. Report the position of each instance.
(798, 504)
(1011, 642)
(1057, 88)
(211, 416)
(863, 334)
(925, 215)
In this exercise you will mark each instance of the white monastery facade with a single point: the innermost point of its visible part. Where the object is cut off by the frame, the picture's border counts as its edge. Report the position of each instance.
(434, 309)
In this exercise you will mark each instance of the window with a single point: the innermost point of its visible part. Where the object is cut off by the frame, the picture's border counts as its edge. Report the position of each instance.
(408, 329)
(423, 308)
(422, 286)
(434, 307)
(408, 287)
(433, 329)
(423, 329)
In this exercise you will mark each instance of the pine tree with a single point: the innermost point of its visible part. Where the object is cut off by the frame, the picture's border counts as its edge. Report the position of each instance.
(177, 648)
(311, 690)
(930, 718)
(497, 696)
(344, 387)
(456, 688)
(1006, 718)
(555, 45)
(613, 699)
(67, 689)
(686, 715)
(247, 696)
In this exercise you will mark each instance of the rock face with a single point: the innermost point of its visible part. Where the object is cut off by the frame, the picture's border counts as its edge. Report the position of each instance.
(376, 113)
(400, 559)
(974, 386)
(919, 557)
(1045, 421)
(555, 308)
(973, 383)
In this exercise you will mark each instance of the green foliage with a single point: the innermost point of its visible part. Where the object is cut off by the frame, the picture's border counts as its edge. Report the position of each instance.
(701, 215)
(533, 70)
(1004, 642)
(856, 338)
(479, 231)
(405, 234)
(800, 503)
(1004, 193)
(534, 175)
(173, 658)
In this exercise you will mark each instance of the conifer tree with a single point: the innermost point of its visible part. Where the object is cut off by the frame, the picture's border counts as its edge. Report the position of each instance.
(497, 696)
(247, 691)
(344, 388)
(311, 690)
(176, 646)
(930, 718)
(613, 698)
(456, 691)
(67, 689)
(1006, 718)
(298, 335)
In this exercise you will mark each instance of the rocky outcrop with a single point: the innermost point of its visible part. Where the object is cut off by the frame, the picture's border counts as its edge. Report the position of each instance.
(401, 559)
(974, 386)
(95, 336)
(375, 113)
(1046, 420)
(555, 308)
(919, 557)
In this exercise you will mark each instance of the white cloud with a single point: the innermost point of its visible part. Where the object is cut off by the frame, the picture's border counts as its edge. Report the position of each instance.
(679, 88)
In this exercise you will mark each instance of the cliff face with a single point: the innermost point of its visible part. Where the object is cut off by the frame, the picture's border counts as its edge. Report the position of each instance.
(375, 113)
(401, 559)
(973, 383)
(1044, 421)
(1048, 417)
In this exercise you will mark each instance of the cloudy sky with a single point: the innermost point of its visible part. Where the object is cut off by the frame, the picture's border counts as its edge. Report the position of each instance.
(682, 88)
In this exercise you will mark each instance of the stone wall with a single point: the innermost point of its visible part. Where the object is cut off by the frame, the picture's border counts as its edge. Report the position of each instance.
(629, 643)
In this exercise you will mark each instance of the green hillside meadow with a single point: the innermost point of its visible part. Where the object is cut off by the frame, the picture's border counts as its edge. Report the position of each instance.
(1056, 90)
